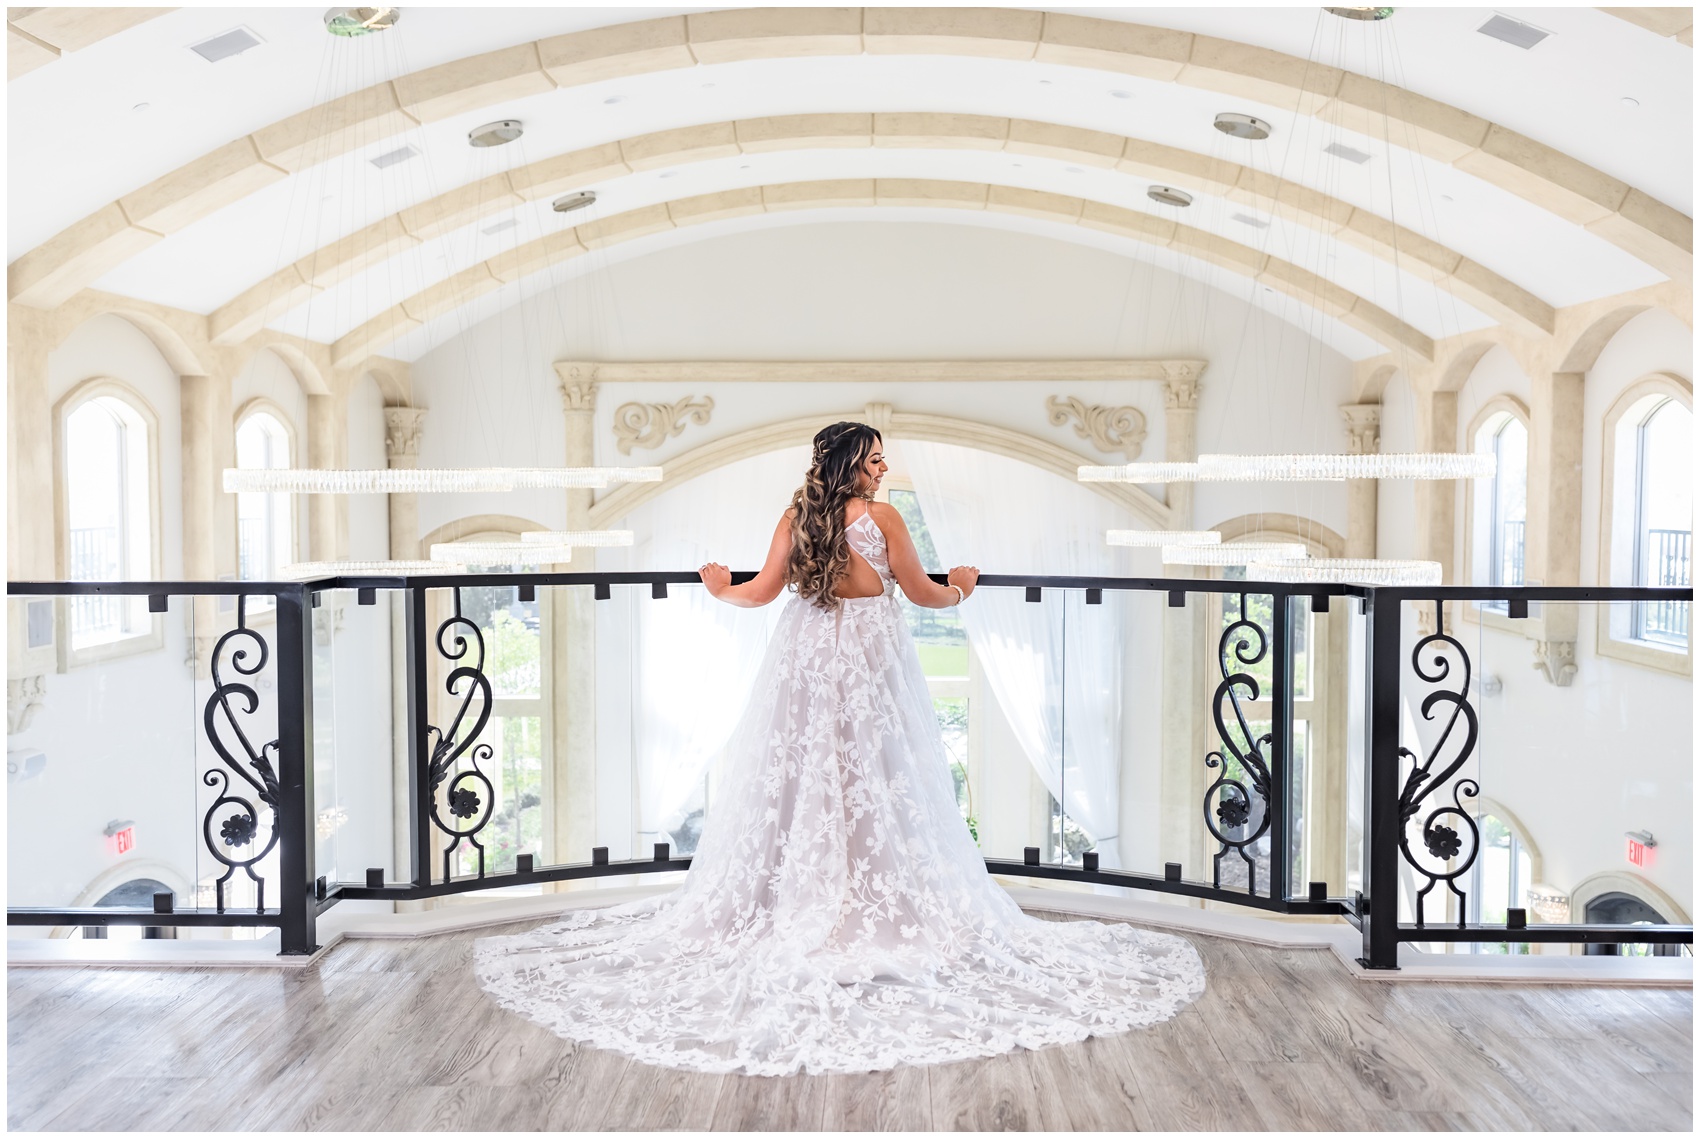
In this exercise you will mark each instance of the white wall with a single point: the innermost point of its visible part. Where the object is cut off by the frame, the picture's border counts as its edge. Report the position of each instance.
(872, 291)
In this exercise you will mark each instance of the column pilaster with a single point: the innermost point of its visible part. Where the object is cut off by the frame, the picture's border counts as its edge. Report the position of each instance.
(1363, 437)
(403, 427)
(1553, 551)
(572, 620)
(1181, 386)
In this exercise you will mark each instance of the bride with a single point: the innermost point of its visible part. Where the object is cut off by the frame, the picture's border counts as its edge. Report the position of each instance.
(837, 916)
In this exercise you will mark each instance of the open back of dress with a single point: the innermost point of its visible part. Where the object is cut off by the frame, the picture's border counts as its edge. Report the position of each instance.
(838, 916)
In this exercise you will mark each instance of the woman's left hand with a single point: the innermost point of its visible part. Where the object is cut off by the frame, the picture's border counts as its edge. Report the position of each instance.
(716, 577)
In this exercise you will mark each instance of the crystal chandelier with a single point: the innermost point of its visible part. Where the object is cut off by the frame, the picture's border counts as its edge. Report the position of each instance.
(1143, 473)
(501, 553)
(1149, 539)
(574, 538)
(1322, 468)
(282, 480)
(305, 571)
(1231, 554)
(1354, 571)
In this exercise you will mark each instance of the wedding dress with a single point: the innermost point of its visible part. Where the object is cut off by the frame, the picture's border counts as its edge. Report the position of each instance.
(837, 916)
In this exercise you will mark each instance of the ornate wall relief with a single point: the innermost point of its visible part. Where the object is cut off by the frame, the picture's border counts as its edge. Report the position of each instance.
(648, 425)
(1109, 428)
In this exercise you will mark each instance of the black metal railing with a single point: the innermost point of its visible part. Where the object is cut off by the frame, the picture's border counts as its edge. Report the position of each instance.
(1417, 812)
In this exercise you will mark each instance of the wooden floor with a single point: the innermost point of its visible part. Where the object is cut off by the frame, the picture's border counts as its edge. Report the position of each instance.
(396, 1035)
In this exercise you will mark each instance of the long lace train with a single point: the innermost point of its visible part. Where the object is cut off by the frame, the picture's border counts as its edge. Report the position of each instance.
(837, 916)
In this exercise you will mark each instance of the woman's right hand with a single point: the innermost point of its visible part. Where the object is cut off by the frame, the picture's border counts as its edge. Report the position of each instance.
(964, 578)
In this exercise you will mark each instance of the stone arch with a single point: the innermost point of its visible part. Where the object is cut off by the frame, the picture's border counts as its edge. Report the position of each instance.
(1018, 445)
(301, 365)
(171, 345)
(1369, 391)
(395, 393)
(1623, 882)
(460, 529)
(1322, 541)
(1585, 349)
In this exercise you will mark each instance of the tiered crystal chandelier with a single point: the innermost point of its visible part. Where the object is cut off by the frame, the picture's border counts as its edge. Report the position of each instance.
(1151, 539)
(1301, 468)
(1353, 571)
(284, 480)
(1232, 553)
(306, 571)
(585, 538)
(513, 554)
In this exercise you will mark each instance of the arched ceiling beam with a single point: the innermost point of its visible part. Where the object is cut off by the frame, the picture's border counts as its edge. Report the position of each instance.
(537, 256)
(1672, 23)
(349, 255)
(36, 37)
(1647, 228)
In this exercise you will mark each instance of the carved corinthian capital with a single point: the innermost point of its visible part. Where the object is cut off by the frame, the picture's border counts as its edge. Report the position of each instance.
(402, 428)
(1109, 428)
(648, 425)
(578, 385)
(24, 697)
(1363, 428)
(1180, 391)
(1556, 660)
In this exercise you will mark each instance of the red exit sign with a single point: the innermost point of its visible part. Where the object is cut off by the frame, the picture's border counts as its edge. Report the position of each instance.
(124, 841)
(1636, 852)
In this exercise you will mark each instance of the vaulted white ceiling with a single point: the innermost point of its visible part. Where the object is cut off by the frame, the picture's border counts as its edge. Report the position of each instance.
(76, 144)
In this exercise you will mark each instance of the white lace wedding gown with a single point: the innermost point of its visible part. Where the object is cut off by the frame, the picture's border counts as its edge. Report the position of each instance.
(837, 916)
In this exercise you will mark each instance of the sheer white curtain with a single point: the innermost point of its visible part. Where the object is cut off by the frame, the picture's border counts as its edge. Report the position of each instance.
(1056, 668)
(694, 658)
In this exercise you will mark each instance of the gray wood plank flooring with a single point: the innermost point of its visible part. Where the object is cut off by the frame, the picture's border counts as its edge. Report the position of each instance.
(396, 1035)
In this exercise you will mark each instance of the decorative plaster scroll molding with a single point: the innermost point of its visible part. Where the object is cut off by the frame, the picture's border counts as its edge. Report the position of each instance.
(648, 425)
(872, 371)
(25, 696)
(1363, 428)
(1556, 660)
(1108, 428)
(403, 427)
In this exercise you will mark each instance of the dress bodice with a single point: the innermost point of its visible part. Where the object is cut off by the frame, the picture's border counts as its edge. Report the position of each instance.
(868, 540)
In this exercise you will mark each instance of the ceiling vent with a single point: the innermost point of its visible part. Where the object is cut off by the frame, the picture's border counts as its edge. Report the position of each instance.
(500, 227)
(1514, 32)
(1341, 150)
(220, 47)
(391, 158)
(1247, 219)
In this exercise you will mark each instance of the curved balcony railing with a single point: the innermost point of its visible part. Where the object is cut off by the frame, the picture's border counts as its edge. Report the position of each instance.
(1259, 764)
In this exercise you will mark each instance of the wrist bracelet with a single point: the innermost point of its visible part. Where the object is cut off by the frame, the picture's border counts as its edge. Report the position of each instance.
(960, 596)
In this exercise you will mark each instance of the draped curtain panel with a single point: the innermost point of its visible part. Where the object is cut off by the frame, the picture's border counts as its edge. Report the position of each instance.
(695, 658)
(1055, 668)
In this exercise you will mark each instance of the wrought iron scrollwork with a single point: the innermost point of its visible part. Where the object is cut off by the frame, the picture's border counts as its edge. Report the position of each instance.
(1443, 844)
(469, 796)
(256, 767)
(1241, 788)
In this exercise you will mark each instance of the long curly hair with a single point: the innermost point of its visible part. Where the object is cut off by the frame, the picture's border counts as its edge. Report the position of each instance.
(820, 555)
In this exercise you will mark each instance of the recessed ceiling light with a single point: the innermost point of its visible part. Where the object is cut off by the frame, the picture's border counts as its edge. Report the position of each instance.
(612, 99)
(1247, 219)
(745, 166)
(498, 133)
(139, 108)
(706, 86)
(1517, 33)
(391, 157)
(669, 174)
(1350, 154)
(1169, 196)
(1075, 169)
(500, 227)
(1121, 94)
(351, 22)
(1360, 13)
(567, 203)
(1446, 197)
(223, 46)
(1242, 126)
(1044, 83)
(1629, 101)
(1015, 165)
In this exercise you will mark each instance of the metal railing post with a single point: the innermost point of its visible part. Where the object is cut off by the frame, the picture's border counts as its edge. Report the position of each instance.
(1378, 911)
(418, 734)
(1281, 750)
(297, 844)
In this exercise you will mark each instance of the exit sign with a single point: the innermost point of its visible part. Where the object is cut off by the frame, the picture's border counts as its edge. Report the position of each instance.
(124, 841)
(1636, 852)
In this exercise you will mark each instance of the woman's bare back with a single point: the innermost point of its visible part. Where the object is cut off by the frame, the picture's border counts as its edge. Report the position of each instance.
(860, 579)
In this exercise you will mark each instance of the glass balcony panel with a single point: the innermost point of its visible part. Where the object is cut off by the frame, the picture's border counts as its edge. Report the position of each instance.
(360, 756)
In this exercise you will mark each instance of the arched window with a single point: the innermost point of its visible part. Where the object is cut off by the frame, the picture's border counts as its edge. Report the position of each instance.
(1500, 879)
(1664, 518)
(265, 523)
(1648, 520)
(108, 476)
(1500, 507)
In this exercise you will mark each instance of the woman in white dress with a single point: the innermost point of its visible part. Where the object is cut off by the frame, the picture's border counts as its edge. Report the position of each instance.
(837, 916)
